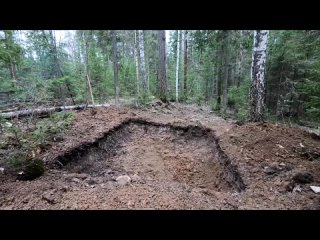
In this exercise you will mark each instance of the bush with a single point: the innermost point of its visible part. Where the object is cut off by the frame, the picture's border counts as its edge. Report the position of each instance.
(238, 99)
(145, 98)
(27, 168)
(214, 105)
(49, 128)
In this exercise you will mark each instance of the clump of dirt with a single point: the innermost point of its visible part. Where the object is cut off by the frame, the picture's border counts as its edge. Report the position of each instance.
(159, 153)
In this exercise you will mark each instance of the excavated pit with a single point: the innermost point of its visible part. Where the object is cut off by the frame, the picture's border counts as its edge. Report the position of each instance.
(156, 153)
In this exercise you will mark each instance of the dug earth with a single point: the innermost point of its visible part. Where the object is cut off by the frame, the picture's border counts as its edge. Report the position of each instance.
(172, 157)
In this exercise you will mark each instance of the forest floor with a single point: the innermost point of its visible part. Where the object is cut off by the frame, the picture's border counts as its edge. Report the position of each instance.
(172, 156)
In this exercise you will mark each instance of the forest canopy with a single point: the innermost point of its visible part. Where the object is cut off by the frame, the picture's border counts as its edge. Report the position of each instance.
(48, 67)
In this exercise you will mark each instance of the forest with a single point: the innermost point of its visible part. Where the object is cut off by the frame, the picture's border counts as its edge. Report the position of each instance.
(159, 119)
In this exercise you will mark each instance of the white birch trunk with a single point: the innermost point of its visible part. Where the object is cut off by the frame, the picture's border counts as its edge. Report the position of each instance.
(257, 86)
(136, 56)
(238, 77)
(142, 64)
(90, 89)
(177, 67)
(162, 65)
(115, 66)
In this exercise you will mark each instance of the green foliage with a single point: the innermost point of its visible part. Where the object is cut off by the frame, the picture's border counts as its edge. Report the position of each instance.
(293, 73)
(10, 51)
(17, 161)
(51, 127)
(17, 135)
(198, 99)
(50, 70)
(14, 134)
(5, 85)
(214, 105)
(27, 168)
(312, 90)
(238, 99)
(145, 99)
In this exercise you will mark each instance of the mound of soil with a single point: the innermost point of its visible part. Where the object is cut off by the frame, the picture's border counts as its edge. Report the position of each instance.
(175, 157)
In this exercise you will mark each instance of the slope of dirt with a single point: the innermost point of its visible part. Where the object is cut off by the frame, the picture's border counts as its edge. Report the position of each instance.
(269, 156)
(170, 171)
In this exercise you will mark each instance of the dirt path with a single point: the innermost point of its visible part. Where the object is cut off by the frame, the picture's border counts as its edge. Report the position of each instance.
(218, 165)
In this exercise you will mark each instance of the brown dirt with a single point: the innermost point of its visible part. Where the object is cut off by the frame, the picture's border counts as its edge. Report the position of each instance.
(173, 165)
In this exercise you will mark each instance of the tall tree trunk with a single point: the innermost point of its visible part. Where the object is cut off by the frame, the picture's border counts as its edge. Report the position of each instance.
(115, 66)
(136, 57)
(238, 77)
(8, 35)
(257, 85)
(226, 70)
(13, 73)
(86, 67)
(142, 63)
(57, 69)
(185, 63)
(90, 89)
(216, 74)
(162, 65)
(177, 67)
(213, 82)
(219, 74)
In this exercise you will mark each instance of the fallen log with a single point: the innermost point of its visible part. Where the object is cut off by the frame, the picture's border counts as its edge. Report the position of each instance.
(43, 111)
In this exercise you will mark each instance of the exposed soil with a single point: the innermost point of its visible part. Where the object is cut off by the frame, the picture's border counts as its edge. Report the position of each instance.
(178, 157)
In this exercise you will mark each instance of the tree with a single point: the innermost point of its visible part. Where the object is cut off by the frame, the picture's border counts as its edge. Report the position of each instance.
(226, 69)
(185, 62)
(177, 66)
(115, 64)
(213, 68)
(136, 57)
(257, 85)
(162, 65)
(239, 61)
(86, 65)
(10, 54)
(142, 62)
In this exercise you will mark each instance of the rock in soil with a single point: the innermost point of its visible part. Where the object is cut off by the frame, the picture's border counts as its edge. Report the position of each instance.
(270, 170)
(123, 180)
(49, 197)
(316, 189)
(297, 188)
(135, 178)
(77, 180)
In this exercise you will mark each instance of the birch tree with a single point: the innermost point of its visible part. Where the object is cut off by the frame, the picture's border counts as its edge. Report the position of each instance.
(136, 57)
(177, 67)
(162, 65)
(239, 61)
(257, 85)
(115, 66)
(185, 63)
(142, 62)
(86, 66)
